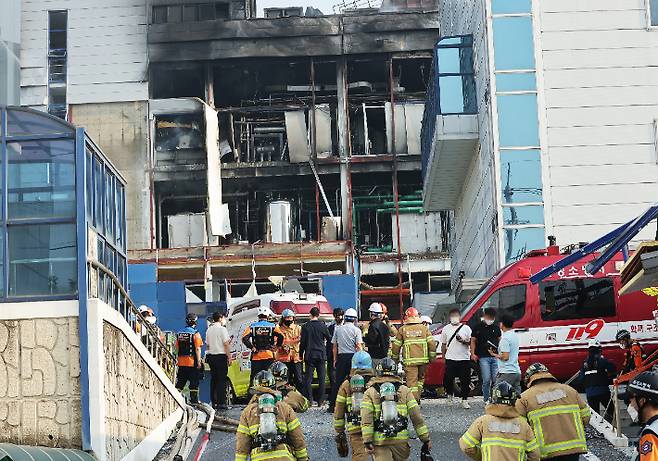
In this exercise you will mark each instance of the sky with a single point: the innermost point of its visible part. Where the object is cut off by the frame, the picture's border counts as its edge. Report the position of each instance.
(323, 5)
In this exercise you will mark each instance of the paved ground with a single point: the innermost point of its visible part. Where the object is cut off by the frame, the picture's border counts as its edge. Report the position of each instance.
(446, 422)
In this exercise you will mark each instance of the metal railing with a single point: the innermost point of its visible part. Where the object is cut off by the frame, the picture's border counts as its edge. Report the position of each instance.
(109, 289)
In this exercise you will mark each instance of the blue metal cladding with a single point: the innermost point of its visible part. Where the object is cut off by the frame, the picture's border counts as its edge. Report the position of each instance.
(518, 127)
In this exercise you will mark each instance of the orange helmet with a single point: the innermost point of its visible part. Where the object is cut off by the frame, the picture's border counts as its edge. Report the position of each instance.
(409, 313)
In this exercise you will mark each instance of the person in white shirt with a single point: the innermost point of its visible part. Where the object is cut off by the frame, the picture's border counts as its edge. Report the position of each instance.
(455, 347)
(218, 357)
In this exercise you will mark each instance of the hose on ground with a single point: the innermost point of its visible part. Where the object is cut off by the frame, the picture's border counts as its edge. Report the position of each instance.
(184, 435)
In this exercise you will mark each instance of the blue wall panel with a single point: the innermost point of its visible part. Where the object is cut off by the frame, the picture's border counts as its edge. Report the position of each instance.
(142, 273)
(340, 290)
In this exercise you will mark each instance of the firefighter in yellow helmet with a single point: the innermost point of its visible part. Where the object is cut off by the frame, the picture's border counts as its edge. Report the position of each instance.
(500, 434)
(348, 406)
(269, 429)
(418, 348)
(557, 414)
(385, 412)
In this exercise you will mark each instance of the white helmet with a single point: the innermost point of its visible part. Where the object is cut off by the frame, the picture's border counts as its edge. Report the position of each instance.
(143, 308)
(376, 308)
(265, 312)
(351, 313)
(594, 343)
(426, 319)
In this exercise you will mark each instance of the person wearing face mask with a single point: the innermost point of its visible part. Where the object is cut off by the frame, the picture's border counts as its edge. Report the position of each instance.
(642, 401)
(634, 355)
(486, 334)
(288, 353)
(418, 349)
(455, 347)
(218, 357)
(557, 414)
(596, 376)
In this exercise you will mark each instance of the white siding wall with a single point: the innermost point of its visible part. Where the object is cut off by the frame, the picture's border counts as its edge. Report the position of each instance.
(601, 92)
(475, 248)
(107, 52)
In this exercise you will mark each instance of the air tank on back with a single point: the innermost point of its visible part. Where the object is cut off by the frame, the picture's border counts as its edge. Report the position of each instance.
(278, 222)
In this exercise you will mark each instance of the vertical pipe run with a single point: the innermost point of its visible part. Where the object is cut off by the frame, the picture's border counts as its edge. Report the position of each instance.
(396, 198)
(343, 146)
(317, 212)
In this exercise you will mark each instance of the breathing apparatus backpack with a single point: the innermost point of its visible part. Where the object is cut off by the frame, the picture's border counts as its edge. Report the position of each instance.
(268, 433)
(390, 423)
(358, 386)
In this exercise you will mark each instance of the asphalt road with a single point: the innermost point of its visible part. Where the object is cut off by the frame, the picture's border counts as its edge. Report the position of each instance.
(447, 422)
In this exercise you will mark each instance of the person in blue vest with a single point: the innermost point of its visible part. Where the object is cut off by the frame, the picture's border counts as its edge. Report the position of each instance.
(190, 366)
(596, 376)
(263, 338)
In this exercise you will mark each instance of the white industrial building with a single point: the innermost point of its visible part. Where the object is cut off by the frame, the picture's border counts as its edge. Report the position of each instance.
(542, 122)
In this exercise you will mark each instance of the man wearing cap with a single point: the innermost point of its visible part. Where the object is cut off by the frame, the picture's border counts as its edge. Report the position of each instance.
(377, 339)
(346, 341)
(557, 414)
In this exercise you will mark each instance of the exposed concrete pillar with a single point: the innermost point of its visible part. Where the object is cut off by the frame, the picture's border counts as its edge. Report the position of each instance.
(343, 149)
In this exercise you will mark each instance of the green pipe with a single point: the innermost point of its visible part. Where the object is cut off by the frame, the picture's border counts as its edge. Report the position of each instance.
(409, 210)
(404, 203)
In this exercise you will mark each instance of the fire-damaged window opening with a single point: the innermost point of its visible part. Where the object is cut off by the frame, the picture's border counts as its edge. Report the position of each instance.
(252, 207)
(411, 75)
(179, 139)
(183, 82)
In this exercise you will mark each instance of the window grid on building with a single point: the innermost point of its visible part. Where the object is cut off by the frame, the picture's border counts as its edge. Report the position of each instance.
(518, 127)
(57, 62)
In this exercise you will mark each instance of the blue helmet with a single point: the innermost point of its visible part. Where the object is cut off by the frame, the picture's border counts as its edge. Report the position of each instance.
(361, 361)
(288, 313)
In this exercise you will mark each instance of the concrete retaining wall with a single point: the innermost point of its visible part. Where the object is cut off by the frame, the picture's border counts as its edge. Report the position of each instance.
(136, 401)
(39, 382)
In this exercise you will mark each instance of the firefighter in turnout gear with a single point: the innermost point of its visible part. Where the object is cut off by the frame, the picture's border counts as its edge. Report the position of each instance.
(269, 429)
(262, 337)
(288, 353)
(190, 366)
(642, 401)
(385, 412)
(500, 434)
(290, 395)
(557, 414)
(634, 355)
(418, 348)
(347, 411)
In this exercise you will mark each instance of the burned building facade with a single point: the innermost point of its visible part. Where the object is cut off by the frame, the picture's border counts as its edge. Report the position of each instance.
(289, 144)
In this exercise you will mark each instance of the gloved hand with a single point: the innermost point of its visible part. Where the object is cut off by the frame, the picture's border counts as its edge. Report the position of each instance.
(427, 446)
(370, 448)
(341, 444)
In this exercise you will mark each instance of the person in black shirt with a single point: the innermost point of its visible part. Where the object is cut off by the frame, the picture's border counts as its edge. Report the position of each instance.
(378, 338)
(339, 318)
(485, 335)
(313, 350)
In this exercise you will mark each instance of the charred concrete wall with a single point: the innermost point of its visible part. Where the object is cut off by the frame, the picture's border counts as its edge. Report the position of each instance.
(121, 130)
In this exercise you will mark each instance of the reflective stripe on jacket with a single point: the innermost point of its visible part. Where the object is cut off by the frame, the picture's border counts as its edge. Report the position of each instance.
(500, 435)
(416, 342)
(558, 416)
(289, 350)
(294, 449)
(371, 409)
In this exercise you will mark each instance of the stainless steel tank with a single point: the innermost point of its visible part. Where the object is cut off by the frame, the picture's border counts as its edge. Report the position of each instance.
(278, 222)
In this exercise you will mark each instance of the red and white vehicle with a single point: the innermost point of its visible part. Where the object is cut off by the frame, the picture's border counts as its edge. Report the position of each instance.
(556, 317)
